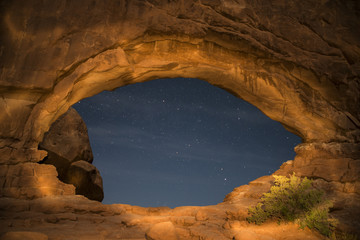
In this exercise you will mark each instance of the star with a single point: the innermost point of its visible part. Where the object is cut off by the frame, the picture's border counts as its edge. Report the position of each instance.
(173, 134)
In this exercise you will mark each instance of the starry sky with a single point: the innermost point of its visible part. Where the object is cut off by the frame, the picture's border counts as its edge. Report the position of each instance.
(176, 142)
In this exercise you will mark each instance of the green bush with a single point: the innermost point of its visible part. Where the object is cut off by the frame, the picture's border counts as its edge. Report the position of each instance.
(318, 218)
(294, 199)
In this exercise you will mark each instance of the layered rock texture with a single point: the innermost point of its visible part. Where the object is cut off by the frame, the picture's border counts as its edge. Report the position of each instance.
(75, 217)
(297, 61)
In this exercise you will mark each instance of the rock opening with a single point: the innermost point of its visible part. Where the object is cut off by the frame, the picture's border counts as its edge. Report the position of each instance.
(298, 62)
(174, 142)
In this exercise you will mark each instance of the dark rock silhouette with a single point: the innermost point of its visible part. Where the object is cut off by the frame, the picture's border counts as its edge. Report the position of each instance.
(69, 150)
(86, 179)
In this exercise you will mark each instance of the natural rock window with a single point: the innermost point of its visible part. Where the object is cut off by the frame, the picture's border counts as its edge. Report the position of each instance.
(171, 142)
(296, 61)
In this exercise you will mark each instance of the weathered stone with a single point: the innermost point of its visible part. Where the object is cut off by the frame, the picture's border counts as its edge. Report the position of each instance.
(184, 221)
(240, 212)
(68, 146)
(353, 173)
(246, 235)
(204, 232)
(76, 217)
(32, 180)
(3, 170)
(185, 211)
(14, 205)
(291, 70)
(87, 180)
(297, 61)
(329, 187)
(353, 187)
(66, 142)
(205, 213)
(254, 190)
(330, 169)
(162, 231)
(201, 215)
(24, 236)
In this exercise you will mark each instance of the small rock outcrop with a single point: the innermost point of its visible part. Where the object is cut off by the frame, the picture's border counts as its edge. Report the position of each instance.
(67, 141)
(86, 179)
(69, 150)
(32, 180)
(162, 231)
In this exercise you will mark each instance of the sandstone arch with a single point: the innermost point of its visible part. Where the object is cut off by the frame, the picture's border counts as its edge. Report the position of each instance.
(298, 62)
(302, 74)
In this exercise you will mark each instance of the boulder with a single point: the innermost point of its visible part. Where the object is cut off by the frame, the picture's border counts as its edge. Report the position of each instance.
(87, 180)
(162, 231)
(67, 141)
(68, 146)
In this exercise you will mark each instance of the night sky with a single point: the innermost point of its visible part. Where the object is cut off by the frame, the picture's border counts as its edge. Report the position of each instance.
(175, 142)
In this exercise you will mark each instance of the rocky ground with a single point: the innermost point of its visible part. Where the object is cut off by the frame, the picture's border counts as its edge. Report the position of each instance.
(76, 217)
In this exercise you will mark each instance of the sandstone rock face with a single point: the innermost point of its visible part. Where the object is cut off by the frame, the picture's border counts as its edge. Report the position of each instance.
(69, 150)
(335, 168)
(31, 180)
(76, 217)
(162, 231)
(87, 180)
(67, 141)
(297, 61)
(24, 236)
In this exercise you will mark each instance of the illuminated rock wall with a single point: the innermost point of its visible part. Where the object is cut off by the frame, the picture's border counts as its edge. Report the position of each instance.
(297, 61)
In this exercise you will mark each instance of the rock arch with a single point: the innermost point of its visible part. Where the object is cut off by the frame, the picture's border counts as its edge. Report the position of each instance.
(297, 62)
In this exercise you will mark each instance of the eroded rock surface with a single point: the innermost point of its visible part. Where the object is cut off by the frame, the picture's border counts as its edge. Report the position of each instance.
(67, 141)
(335, 169)
(75, 217)
(86, 179)
(24, 236)
(31, 180)
(69, 150)
(297, 61)
(162, 231)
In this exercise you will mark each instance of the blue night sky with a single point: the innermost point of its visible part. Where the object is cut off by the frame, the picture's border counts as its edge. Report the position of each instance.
(175, 142)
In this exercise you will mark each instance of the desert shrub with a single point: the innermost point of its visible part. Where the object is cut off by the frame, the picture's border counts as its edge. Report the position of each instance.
(318, 218)
(294, 199)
